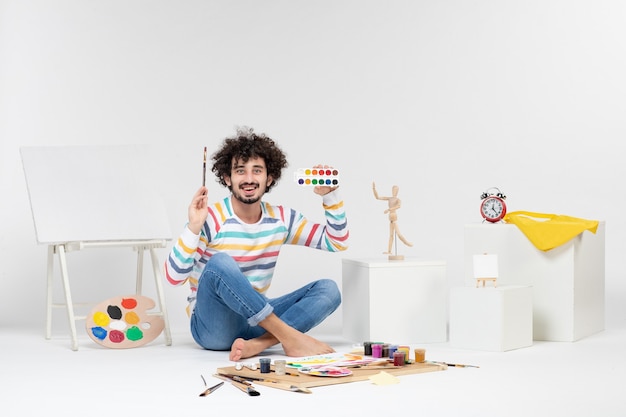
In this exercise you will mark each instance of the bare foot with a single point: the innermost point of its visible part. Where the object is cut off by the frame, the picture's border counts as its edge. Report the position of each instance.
(305, 345)
(242, 349)
(294, 342)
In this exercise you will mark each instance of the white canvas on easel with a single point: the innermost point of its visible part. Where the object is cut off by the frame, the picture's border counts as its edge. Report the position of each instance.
(485, 268)
(95, 196)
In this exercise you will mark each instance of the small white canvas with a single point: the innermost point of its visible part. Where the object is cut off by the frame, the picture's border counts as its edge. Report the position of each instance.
(485, 266)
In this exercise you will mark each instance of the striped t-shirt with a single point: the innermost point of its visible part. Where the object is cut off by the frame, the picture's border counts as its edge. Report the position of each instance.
(255, 247)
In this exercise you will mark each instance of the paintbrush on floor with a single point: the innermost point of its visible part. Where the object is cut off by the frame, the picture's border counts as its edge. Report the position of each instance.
(241, 385)
(268, 382)
(208, 389)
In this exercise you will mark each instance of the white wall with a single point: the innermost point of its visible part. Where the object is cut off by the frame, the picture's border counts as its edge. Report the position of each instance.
(443, 98)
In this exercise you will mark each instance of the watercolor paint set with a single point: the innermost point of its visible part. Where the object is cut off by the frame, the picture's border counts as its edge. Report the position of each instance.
(317, 176)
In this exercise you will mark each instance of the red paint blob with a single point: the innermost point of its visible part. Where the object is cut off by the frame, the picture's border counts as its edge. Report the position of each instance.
(129, 303)
(116, 336)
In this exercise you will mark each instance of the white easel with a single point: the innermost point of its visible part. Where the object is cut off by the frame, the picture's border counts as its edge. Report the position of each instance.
(486, 269)
(95, 197)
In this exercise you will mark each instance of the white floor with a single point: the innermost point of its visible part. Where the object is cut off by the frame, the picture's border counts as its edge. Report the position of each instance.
(39, 376)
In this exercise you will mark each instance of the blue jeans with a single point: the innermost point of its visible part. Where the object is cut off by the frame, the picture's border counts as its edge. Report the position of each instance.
(227, 307)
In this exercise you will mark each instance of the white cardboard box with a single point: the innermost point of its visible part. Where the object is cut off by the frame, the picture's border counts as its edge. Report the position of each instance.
(491, 318)
(567, 281)
(395, 301)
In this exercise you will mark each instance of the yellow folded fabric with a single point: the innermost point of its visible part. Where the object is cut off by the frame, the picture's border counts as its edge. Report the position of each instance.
(547, 231)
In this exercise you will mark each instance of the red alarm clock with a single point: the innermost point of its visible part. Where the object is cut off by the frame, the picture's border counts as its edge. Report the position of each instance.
(493, 207)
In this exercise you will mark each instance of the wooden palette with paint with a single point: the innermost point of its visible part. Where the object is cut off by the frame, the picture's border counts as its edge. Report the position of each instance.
(124, 322)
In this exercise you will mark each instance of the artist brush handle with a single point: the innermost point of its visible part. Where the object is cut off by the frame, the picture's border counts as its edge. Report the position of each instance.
(245, 387)
(248, 389)
(456, 365)
(240, 385)
(211, 389)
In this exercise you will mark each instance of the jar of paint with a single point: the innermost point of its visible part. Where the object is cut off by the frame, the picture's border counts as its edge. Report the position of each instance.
(280, 366)
(377, 350)
(264, 364)
(367, 348)
(420, 355)
(392, 350)
(385, 351)
(398, 358)
(405, 349)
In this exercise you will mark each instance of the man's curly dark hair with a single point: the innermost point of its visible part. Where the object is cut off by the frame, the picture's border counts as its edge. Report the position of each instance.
(245, 145)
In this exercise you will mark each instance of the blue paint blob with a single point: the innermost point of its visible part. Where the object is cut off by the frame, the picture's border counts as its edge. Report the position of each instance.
(99, 332)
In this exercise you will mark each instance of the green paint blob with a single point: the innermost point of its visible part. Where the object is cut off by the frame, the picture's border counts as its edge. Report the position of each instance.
(134, 333)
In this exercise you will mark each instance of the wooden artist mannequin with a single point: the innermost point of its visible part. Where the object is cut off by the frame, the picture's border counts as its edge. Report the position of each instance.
(394, 204)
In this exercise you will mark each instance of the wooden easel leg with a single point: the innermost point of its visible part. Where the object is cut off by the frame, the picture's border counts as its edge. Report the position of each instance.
(138, 284)
(68, 296)
(159, 287)
(50, 274)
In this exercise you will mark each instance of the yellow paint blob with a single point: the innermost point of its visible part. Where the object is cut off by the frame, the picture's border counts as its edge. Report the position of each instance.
(101, 319)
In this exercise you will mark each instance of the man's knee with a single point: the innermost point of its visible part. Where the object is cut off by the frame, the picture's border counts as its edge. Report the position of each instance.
(331, 291)
(222, 264)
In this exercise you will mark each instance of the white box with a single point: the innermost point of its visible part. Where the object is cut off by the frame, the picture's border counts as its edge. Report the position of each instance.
(493, 319)
(395, 301)
(567, 281)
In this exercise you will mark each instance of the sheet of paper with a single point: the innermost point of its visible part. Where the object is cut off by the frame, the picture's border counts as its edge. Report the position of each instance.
(384, 378)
